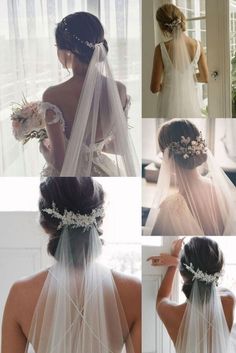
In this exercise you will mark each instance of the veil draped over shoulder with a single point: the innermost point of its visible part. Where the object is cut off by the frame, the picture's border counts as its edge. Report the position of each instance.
(100, 137)
(192, 201)
(79, 310)
(204, 328)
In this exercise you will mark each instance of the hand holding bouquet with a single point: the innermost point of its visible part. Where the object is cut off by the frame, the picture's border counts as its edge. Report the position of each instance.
(28, 121)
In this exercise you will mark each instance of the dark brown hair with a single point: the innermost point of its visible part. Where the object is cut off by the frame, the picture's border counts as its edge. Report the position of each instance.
(87, 27)
(172, 131)
(205, 255)
(79, 195)
(165, 16)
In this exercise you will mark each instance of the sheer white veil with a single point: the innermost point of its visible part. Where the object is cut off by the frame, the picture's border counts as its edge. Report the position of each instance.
(192, 200)
(182, 91)
(79, 310)
(204, 328)
(100, 131)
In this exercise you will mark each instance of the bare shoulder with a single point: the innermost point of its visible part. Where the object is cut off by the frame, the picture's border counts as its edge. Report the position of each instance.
(227, 296)
(126, 281)
(169, 311)
(52, 93)
(31, 284)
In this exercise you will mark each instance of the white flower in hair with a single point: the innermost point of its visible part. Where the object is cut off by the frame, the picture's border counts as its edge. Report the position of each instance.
(188, 148)
(201, 276)
(75, 220)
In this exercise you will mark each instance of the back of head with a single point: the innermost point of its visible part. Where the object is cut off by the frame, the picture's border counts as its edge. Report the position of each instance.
(172, 132)
(205, 255)
(78, 33)
(169, 17)
(78, 195)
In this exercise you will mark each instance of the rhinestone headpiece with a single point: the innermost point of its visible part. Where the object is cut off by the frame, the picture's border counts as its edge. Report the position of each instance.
(173, 24)
(75, 36)
(188, 148)
(203, 277)
(75, 220)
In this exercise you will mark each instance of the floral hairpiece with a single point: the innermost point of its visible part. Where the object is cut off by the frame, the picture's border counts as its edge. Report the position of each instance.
(173, 24)
(188, 148)
(201, 276)
(75, 220)
(75, 36)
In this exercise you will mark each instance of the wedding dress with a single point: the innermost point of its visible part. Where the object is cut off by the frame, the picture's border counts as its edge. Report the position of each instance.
(187, 204)
(178, 97)
(204, 328)
(99, 143)
(79, 308)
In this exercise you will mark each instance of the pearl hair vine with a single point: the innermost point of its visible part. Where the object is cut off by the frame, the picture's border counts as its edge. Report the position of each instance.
(75, 36)
(202, 276)
(75, 220)
(188, 148)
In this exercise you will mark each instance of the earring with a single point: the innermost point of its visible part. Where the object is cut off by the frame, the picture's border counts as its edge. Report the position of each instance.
(68, 53)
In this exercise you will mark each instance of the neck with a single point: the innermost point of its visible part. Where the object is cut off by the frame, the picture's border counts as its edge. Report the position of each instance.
(187, 175)
(79, 69)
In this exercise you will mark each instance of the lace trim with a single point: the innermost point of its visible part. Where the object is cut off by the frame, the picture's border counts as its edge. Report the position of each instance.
(58, 118)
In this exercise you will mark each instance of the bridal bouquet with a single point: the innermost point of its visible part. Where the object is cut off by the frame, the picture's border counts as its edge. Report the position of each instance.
(28, 121)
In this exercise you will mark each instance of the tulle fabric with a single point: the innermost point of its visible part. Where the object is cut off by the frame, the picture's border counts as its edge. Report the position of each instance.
(100, 118)
(79, 310)
(204, 328)
(178, 97)
(199, 201)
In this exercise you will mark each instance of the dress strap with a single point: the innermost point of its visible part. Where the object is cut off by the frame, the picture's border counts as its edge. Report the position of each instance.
(58, 116)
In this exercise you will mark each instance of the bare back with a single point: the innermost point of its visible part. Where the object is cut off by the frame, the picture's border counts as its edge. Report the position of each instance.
(23, 298)
(172, 314)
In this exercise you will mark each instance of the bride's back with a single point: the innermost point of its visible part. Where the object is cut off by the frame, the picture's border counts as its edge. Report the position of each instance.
(191, 45)
(172, 314)
(25, 296)
(66, 97)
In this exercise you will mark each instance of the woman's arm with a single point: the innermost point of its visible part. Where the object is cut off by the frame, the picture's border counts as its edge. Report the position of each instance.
(203, 74)
(13, 339)
(54, 152)
(172, 261)
(157, 71)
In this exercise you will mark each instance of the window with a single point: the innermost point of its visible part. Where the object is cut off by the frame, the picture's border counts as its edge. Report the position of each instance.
(29, 64)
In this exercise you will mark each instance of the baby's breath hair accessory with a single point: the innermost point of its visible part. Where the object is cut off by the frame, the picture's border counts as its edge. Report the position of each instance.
(75, 36)
(75, 220)
(203, 277)
(188, 148)
(174, 23)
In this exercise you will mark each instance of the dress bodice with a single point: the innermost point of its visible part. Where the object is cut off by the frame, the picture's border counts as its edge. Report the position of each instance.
(168, 64)
(102, 165)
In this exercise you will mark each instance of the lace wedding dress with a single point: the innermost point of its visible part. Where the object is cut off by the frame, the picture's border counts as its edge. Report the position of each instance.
(102, 163)
(178, 97)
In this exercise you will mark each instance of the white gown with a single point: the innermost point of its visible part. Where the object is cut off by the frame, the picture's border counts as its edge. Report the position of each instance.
(178, 97)
(102, 163)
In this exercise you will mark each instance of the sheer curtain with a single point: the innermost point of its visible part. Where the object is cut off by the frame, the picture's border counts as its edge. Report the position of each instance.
(28, 63)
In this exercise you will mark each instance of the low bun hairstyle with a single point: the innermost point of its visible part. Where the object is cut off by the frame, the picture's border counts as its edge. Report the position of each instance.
(79, 195)
(87, 27)
(172, 131)
(166, 15)
(206, 256)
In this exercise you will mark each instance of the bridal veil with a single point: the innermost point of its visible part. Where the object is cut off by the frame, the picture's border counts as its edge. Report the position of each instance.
(100, 125)
(193, 196)
(79, 310)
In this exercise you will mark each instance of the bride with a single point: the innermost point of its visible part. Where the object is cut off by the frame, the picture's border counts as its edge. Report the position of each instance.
(77, 305)
(193, 194)
(86, 116)
(204, 322)
(174, 65)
